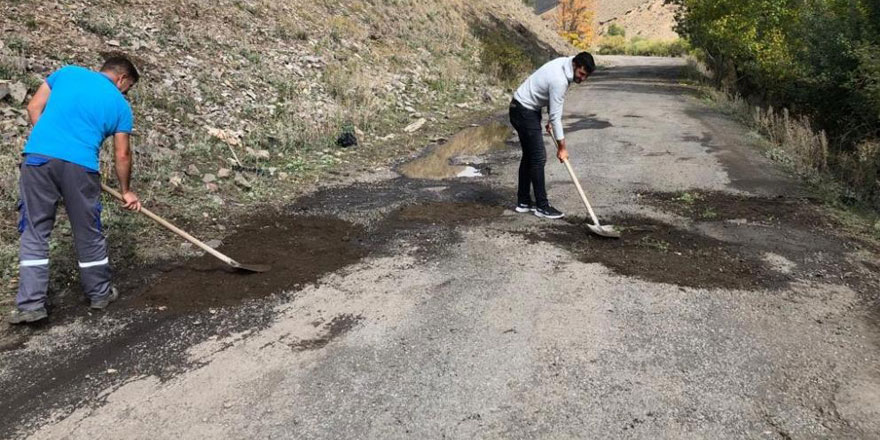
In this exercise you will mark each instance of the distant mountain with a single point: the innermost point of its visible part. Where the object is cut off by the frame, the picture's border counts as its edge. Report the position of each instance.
(643, 18)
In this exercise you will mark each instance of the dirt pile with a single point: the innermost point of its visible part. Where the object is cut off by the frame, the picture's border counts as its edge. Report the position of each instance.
(300, 250)
(718, 206)
(655, 251)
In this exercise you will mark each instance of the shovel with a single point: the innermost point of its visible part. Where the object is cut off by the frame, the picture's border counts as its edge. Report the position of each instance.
(257, 268)
(596, 228)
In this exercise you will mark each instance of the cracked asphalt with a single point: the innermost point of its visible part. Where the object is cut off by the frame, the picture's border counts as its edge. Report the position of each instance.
(733, 306)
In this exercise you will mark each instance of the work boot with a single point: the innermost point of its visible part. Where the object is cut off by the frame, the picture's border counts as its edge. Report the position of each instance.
(101, 304)
(549, 212)
(27, 316)
(523, 208)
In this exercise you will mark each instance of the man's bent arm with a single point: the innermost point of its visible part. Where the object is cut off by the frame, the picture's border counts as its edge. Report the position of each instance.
(122, 157)
(38, 103)
(557, 98)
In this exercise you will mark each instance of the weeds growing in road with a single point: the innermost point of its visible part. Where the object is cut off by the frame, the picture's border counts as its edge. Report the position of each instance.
(689, 198)
(655, 243)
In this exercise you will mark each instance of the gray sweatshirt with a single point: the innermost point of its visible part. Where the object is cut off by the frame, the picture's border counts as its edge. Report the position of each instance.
(546, 88)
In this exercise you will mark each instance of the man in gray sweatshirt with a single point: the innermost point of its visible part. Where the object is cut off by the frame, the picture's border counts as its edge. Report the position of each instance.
(545, 88)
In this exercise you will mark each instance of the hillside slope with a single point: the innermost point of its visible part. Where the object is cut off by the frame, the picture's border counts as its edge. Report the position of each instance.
(610, 9)
(242, 101)
(650, 19)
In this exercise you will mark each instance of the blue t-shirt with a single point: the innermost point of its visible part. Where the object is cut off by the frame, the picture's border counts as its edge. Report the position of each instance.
(84, 108)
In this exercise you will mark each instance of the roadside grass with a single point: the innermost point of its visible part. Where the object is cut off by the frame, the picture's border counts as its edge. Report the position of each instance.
(709, 213)
(689, 198)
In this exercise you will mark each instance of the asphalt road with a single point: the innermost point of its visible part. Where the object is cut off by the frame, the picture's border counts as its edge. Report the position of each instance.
(731, 308)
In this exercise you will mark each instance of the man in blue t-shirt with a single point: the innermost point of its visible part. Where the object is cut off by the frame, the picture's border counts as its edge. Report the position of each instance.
(72, 113)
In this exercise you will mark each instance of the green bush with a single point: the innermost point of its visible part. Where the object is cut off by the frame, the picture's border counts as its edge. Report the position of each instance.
(504, 59)
(616, 30)
(612, 45)
(638, 46)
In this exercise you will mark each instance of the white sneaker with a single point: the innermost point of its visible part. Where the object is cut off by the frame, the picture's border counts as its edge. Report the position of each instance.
(523, 208)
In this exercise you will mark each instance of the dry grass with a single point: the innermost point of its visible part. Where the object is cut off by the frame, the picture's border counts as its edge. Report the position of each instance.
(795, 134)
(848, 182)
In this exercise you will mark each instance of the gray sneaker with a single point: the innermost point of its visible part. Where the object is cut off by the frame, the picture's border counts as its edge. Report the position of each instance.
(27, 316)
(102, 304)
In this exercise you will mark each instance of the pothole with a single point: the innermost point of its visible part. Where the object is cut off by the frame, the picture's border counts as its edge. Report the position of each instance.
(438, 163)
(719, 206)
(450, 213)
(658, 252)
(299, 249)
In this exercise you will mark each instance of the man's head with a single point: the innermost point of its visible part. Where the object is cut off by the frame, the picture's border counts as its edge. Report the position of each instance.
(584, 66)
(121, 71)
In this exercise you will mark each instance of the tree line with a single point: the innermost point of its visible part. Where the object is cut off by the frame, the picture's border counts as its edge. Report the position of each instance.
(819, 58)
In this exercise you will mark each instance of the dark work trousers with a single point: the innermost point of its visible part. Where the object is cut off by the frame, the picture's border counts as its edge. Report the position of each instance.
(44, 182)
(527, 124)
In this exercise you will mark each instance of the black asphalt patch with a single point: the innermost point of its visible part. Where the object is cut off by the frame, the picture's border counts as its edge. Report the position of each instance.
(658, 252)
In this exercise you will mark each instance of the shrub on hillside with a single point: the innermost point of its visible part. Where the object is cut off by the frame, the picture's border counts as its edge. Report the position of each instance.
(612, 45)
(638, 46)
(503, 58)
(615, 30)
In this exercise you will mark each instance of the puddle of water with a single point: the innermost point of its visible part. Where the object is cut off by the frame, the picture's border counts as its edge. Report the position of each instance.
(470, 172)
(471, 141)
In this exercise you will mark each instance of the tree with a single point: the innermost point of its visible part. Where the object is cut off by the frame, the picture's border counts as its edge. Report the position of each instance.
(574, 19)
(820, 58)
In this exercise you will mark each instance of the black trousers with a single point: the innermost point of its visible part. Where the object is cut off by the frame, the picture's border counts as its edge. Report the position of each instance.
(527, 124)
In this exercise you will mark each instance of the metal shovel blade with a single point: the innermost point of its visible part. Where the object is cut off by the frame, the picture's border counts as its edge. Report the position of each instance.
(255, 268)
(604, 231)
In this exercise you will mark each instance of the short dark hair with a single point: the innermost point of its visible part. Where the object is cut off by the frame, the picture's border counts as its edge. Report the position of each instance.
(584, 59)
(120, 64)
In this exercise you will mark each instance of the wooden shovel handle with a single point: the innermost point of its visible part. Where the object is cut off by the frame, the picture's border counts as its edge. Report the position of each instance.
(174, 229)
(581, 192)
(574, 179)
